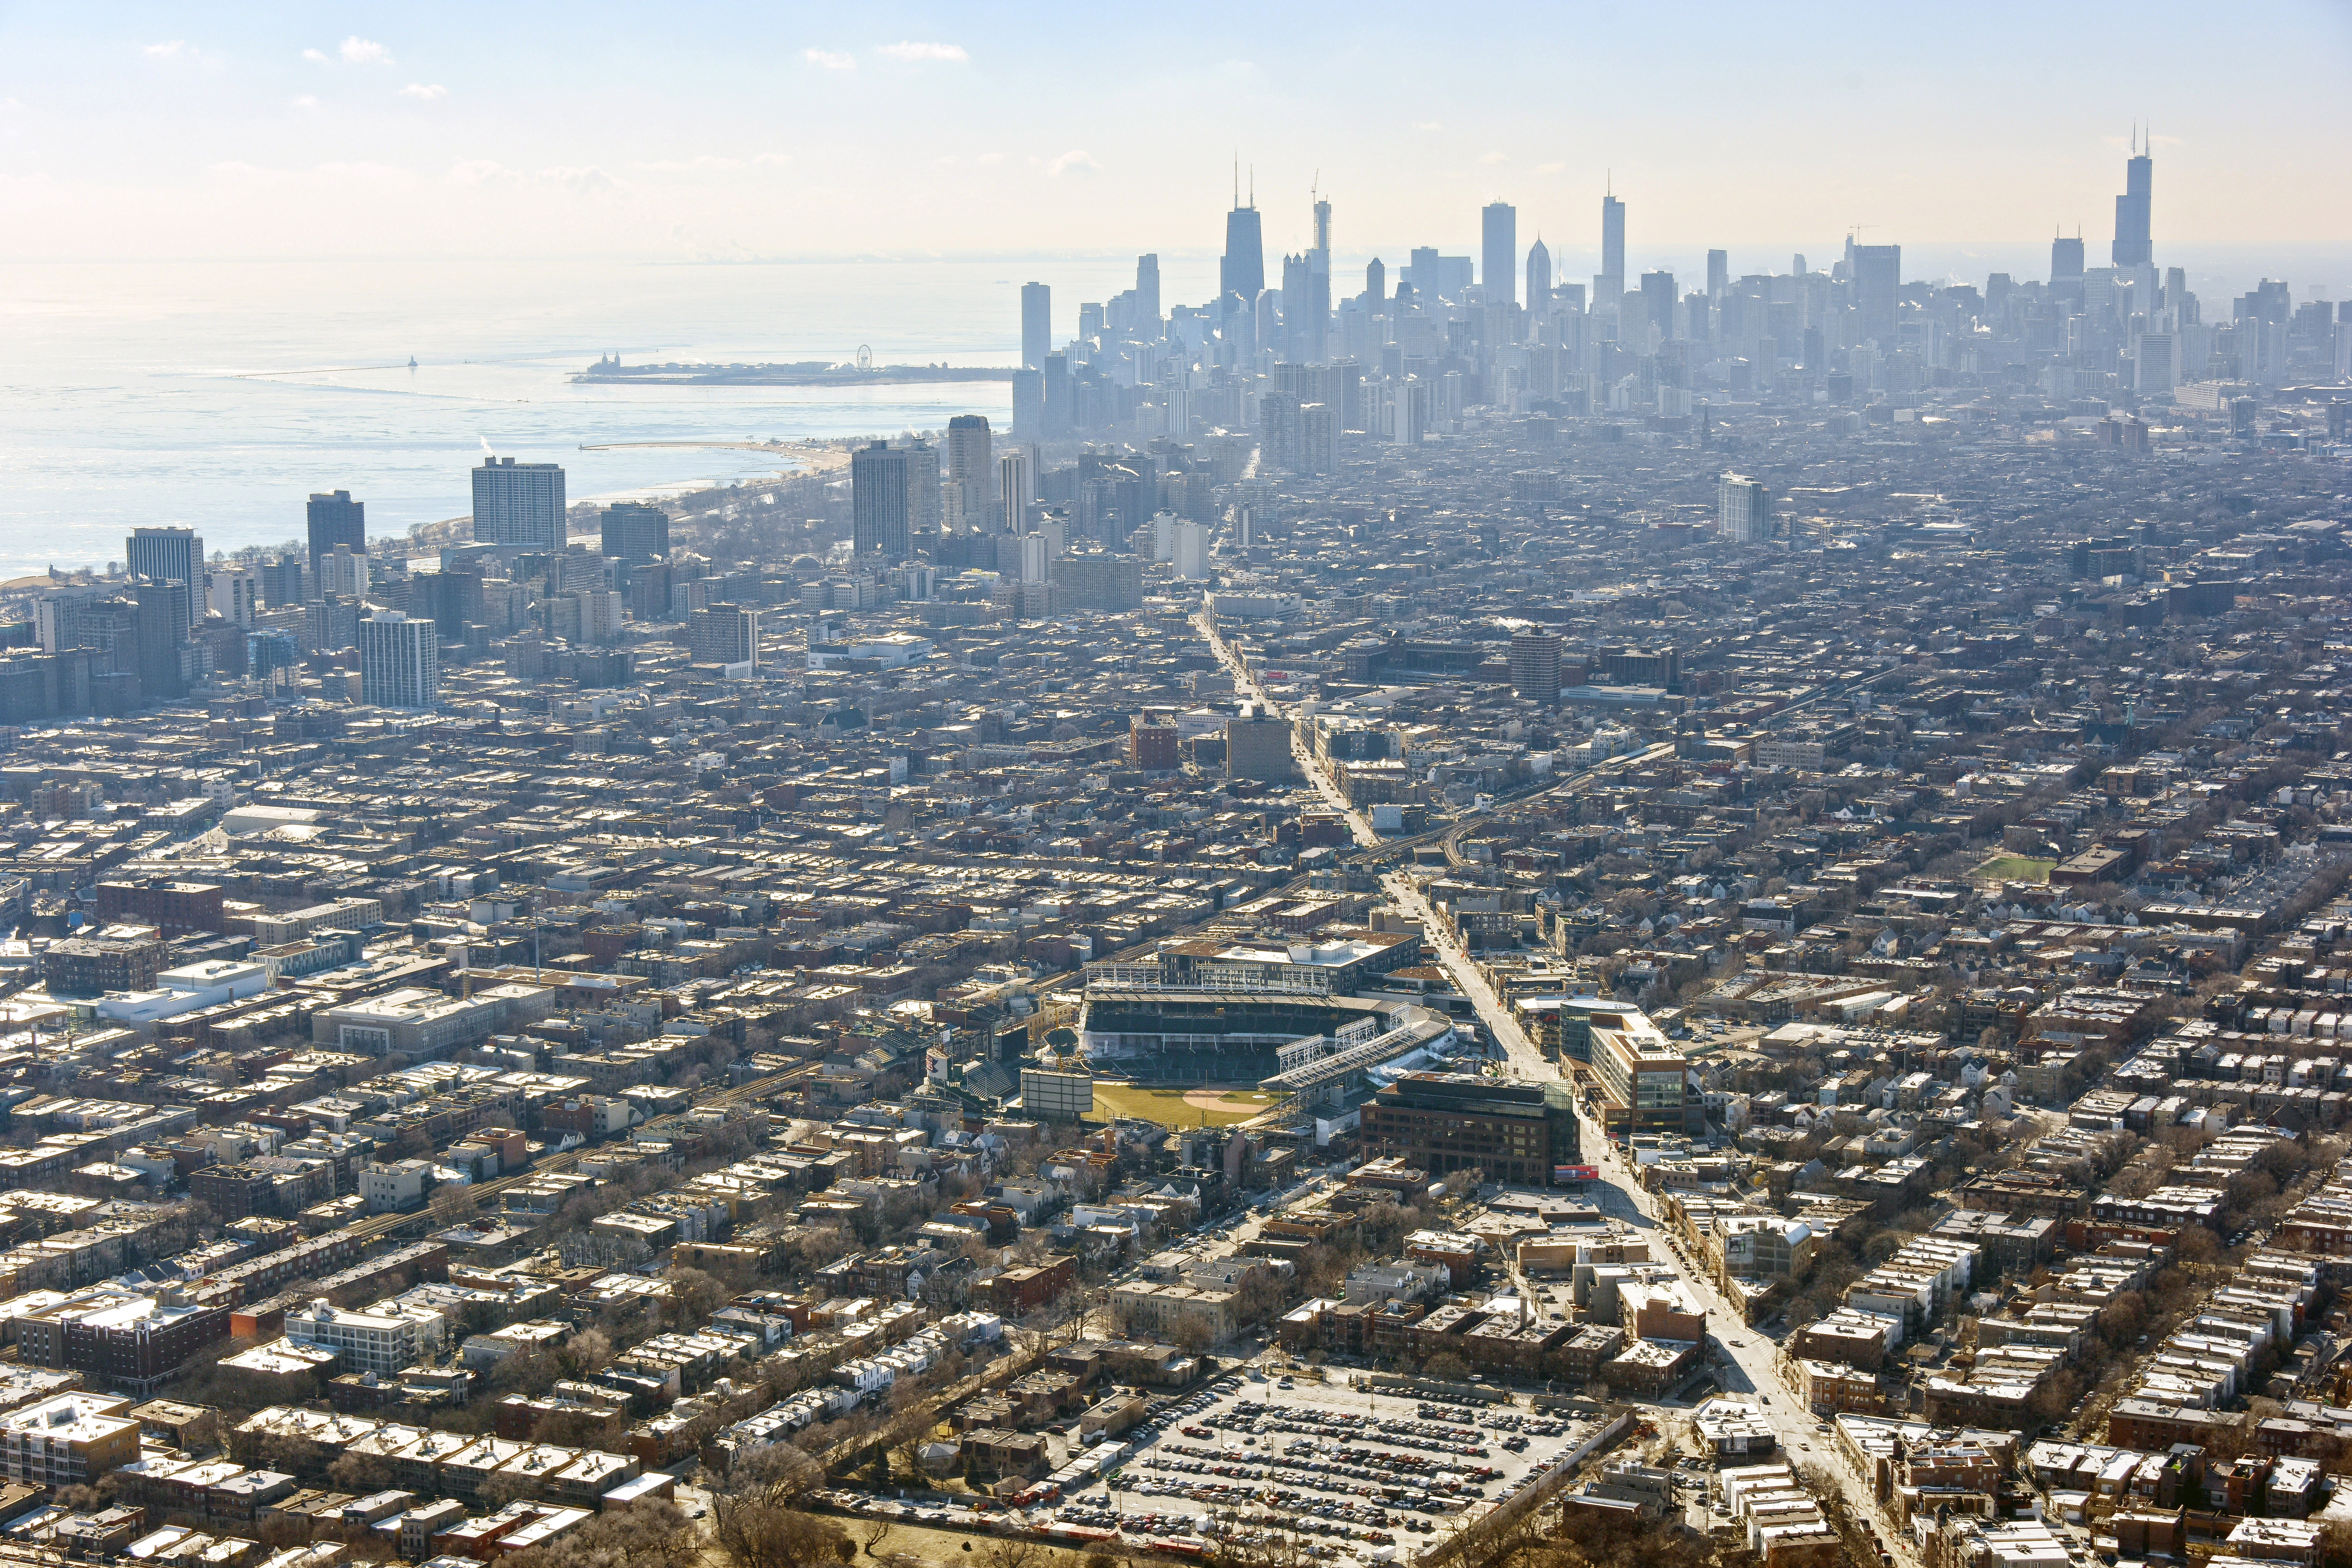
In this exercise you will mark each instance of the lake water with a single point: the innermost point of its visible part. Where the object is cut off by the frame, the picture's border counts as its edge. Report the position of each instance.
(222, 394)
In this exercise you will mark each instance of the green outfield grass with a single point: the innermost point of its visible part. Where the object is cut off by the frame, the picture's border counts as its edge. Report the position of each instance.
(1166, 1105)
(2015, 869)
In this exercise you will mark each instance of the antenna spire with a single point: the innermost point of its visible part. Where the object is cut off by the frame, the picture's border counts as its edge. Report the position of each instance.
(1237, 176)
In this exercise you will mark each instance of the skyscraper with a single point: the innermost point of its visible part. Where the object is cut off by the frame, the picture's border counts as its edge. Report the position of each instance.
(335, 519)
(234, 593)
(879, 500)
(634, 533)
(1609, 286)
(165, 555)
(1718, 273)
(1658, 293)
(1877, 282)
(2131, 245)
(969, 463)
(1146, 288)
(1037, 325)
(1535, 666)
(1016, 486)
(2066, 260)
(1376, 283)
(1498, 252)
(1241, 271)
(1743, 510)
(400, 661)
(519, 503)
(1539, 275)
(167, 612)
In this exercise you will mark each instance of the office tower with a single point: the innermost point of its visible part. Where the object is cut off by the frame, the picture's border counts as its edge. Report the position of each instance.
(341, 570)
(1029, 404)
(969, 464)
(165, 555)
(2066, 260)
(1421, 270)
(1498, 252)
(1538, 277)
(724, 634)
(1877, 280)
(335, 519)
(166, 615)
(2131, 247)
(879, 500)
(1609, 286)
(233, 595)
(1376, 284)
(1037, 558)
(519, 503)
(400, 661)
(1017, 488)
(1718, 273)
(1146, 291)
(1658, 294)
(636, 534)
(1535, 666)
(2156, 364)
(450, 599)
(1295, 288)
(1056, 373)
(1743, 510)
(1037, 325)
(1241, 271)
(281, 582)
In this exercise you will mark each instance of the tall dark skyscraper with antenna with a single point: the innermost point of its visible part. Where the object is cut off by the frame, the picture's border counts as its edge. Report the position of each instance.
(2132, 247)
(1241, 274)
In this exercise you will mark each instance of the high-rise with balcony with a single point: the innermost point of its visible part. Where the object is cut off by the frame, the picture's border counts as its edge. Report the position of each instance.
(400, 661)
(519, 503)
(165, 555)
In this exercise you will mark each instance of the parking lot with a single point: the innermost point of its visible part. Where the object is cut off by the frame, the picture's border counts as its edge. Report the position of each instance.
(1358, 1475)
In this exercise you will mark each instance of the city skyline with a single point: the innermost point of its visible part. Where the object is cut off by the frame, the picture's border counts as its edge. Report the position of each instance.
(734, 137)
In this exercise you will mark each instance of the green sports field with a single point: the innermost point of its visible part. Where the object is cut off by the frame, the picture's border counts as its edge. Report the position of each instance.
(2015, 869)
(1168, 1106)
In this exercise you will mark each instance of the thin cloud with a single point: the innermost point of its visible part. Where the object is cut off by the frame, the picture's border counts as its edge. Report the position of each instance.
(830, 60)
(914, 51)
(1430, 125)
(169, 49)
(423, 89)
(1072, 162)
(708, 162)
(1551, 168)
(318, 56)
(359, 51)
(307, 100)
(1493, 157)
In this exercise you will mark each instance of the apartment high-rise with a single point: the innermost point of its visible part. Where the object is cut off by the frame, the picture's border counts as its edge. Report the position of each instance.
(1878, 285)
(233, 594)
(1037, 325)
(341, 570)
(1743, 510)
(167, 613)
(879, 501)
(519, 503)
(724, 634)
(335, 519)
(1498, 252)
(1535, 666)
(2132, 247)
(1016, 486)
(969, 465)
(166, 554)
(400, 661)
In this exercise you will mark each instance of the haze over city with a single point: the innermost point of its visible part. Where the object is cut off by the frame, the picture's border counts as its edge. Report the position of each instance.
(1288, 788)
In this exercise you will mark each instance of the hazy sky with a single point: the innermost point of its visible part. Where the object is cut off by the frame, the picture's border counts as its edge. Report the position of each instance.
(722, 130)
